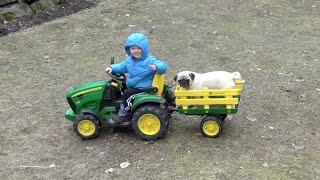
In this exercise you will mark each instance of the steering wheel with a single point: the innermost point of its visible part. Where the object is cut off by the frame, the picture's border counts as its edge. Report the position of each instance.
(117, 76)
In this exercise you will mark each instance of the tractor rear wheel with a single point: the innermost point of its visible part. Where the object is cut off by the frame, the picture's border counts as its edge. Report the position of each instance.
(86, 126)
(150, 122)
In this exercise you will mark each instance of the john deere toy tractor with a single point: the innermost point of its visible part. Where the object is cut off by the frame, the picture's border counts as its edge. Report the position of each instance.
(93, 104)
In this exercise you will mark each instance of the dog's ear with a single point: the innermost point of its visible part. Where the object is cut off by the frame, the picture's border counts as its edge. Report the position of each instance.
(175, 77)
(192, 76)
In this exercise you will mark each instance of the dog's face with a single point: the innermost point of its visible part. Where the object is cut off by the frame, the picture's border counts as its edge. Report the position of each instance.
(184, 79)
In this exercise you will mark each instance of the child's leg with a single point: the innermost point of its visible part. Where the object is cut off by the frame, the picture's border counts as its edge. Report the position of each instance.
(128, 96)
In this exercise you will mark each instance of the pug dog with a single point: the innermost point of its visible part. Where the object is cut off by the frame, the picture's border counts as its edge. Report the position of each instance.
(211, 80)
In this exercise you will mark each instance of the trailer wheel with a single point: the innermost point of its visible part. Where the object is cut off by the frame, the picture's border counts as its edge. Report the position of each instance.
(211, 126)
(86, 126)
(150, 122)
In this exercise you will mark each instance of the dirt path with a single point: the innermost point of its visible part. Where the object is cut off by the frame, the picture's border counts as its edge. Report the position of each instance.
(273, 44)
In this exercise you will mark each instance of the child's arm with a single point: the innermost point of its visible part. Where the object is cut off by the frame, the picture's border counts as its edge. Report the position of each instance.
(161, 67)
(119, 68)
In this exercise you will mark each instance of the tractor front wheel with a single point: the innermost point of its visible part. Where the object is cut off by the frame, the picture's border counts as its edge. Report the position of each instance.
(150, 122)
(211, 126)
(86, 126)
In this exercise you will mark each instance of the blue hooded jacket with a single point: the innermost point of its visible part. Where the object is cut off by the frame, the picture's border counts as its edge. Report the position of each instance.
(139, 73)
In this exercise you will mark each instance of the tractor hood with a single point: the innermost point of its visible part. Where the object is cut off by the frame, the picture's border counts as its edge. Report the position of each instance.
(86, 88)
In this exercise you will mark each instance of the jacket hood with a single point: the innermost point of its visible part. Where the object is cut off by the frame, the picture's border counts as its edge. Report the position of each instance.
(140, 40)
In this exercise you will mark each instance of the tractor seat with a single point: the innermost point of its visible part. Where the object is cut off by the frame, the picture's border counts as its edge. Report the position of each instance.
(149, 90)
(157, 85)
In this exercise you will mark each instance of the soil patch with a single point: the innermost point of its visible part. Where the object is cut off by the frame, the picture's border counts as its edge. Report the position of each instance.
(27, 21)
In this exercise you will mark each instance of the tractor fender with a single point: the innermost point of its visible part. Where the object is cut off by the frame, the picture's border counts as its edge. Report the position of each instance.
(92, 112)
(163, 103)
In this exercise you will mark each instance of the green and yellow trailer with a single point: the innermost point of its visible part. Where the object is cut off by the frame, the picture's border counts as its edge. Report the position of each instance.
(213, 105)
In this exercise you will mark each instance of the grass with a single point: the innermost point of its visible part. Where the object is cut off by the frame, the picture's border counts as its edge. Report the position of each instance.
(272, 43)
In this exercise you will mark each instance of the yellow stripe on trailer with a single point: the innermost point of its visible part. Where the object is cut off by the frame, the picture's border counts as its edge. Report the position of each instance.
(205, 92)
(238, 87)
(211, 101)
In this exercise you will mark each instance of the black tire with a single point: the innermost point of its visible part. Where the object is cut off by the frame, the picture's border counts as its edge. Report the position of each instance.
(168, 123)
(170, 97)
(222, 116)
(211, 126)
(150, 122)
(171, 100)
(86, 126)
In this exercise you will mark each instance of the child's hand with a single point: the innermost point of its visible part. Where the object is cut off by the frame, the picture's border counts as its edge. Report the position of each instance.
(153, 67)
(108, 69)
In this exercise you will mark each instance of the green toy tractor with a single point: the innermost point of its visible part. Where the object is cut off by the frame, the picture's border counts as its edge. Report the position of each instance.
(93, 104)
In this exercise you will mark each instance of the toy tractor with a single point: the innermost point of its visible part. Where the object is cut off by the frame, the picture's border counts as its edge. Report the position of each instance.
(93, 104)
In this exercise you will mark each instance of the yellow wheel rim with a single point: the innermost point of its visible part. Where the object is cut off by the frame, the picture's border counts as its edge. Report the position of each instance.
(86, 127)
(149, 124)
(211, 128)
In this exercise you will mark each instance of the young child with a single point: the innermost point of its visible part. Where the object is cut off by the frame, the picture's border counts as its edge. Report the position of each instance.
(141, 68)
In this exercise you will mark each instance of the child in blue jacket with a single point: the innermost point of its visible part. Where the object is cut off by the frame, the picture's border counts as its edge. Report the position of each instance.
(141, 68)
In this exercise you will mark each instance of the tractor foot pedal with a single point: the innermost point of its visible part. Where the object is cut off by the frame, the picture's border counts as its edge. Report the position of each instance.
(172, 108)
(113, 123)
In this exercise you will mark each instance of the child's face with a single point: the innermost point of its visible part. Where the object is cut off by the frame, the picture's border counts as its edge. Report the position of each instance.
(136, 51)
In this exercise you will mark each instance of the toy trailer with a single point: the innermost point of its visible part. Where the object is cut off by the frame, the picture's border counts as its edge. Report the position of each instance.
(212, 105)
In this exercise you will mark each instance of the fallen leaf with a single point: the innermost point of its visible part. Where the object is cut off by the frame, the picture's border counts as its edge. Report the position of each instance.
(109, 170)
(89, 148)
(297, 147)
(299, 80)
(251, 119)
(124, 165)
